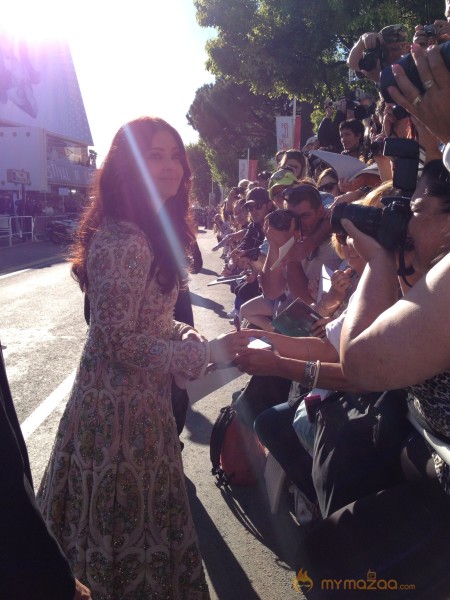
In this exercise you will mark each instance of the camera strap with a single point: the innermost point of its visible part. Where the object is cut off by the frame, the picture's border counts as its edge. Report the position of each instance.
(404, 271)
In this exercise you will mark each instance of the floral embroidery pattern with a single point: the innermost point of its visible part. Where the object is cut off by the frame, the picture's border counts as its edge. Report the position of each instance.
(114, 492)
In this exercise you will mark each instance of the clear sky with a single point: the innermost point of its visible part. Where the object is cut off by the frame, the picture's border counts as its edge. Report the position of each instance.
(132, 57)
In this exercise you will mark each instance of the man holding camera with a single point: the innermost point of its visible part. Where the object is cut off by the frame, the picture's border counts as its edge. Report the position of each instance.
(437, 33)
(307, 222)
(374, 51)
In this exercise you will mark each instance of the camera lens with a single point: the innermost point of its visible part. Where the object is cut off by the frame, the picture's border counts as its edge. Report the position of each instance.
(365, 218)
(407, 62)
(281, 219)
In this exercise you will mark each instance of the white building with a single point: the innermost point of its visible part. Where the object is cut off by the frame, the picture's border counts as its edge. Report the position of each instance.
(44, 131)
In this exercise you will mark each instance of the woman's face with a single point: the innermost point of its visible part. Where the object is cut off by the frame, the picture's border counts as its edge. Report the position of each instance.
(164, 164)
(354, 260)
(429, 228)
(293, 165)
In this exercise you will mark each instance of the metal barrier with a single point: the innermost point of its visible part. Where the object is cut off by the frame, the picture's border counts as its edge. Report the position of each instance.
(15, 229)
(5, 229)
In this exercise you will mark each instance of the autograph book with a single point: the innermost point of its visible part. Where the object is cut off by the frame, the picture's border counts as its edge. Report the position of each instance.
(296, 320)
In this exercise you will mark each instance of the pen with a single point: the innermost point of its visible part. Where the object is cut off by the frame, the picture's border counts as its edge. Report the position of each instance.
(237, 322)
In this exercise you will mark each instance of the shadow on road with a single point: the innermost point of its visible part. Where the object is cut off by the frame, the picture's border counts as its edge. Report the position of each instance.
(220, 562)
(249, 506)
(198, 300)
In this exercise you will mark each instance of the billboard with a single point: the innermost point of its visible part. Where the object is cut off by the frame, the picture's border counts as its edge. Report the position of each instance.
(39, 88)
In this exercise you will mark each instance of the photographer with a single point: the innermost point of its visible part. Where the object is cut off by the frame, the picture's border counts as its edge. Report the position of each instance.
(427, 35)
(391, 344)
(431, 108)
(374, 51)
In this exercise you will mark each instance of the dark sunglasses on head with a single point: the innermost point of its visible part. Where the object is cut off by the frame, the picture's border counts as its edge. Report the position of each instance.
(327, 187)
(299, 193)
(256, 206)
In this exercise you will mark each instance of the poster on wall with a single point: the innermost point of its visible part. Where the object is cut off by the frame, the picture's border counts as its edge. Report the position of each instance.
(39, 87)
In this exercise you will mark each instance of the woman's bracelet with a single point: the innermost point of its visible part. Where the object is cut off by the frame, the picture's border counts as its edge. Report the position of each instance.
(316, 376)
(311, 374)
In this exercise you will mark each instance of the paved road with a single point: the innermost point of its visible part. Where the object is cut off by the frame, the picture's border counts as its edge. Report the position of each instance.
(247, 552)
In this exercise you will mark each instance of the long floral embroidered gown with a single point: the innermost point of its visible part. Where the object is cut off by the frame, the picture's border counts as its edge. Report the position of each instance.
(114, 492)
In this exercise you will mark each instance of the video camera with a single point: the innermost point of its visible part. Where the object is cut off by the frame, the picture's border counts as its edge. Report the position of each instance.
(387, 225)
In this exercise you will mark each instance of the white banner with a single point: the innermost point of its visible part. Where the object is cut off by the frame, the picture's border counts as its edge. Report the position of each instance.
(285, 133)
(243, 169)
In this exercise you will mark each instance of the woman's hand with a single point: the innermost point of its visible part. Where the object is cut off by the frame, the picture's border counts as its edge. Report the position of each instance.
(259, 362)
(318, 329)
(227, 346)
(81, 591)
(341, 281)
(431, 108)
(192, 334)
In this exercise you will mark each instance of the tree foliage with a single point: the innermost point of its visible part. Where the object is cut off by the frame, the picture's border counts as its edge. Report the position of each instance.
(267, 51)
(231, 120)
(297, 47)
(201, 173)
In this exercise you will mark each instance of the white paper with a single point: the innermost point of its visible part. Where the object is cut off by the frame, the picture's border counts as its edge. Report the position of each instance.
(283, 250)
(210, 382)
(346, 167)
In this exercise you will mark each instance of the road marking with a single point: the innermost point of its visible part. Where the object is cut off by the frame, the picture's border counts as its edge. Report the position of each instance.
(46, 408)
(14, 273)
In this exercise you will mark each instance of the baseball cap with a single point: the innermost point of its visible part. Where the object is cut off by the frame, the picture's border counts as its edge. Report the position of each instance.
(281, 178)
(394, 33)
(256, 195)
(310, 140)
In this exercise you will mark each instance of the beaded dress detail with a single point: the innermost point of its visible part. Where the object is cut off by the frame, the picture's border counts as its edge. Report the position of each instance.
(113, 492)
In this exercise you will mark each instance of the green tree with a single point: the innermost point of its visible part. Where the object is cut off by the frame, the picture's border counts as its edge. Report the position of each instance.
(201, 173)
(230, 119)
(297, 47)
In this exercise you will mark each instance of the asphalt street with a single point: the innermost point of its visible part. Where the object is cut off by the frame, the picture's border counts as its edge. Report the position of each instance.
(248, 553)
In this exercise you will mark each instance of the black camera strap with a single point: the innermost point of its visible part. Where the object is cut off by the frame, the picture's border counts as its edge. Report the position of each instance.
(404, 271)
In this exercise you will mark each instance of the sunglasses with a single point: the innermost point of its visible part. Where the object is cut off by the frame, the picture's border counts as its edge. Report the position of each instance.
(327, 187)
(295, 195)
(256, 206)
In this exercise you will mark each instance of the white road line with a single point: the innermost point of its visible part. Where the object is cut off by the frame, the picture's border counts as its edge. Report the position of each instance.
(45, 409)
(14, 273)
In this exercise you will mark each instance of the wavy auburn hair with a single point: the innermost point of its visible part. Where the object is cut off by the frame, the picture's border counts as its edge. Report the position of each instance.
(123, 190)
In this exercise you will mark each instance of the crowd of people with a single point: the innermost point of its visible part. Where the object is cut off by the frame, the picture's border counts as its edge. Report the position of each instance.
(112, 518)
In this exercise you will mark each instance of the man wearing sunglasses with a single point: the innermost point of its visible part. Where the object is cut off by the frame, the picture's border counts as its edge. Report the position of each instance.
(302, 268)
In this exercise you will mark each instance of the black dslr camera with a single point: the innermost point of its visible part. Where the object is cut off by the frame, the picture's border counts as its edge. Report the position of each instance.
(281, 219)
(370, 57)
(407, 62)
(430, 31)
(387, 225)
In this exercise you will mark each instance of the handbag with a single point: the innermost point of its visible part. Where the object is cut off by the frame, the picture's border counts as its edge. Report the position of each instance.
(237, 456)
(357, 446)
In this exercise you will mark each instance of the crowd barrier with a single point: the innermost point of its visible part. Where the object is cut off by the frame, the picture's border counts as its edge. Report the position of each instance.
(27, 228)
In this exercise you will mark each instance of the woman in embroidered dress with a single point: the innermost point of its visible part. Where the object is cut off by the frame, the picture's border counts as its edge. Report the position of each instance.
(114, 492)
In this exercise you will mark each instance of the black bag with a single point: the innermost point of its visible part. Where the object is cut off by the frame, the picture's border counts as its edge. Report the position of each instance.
(357, 446)
(237, 456)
